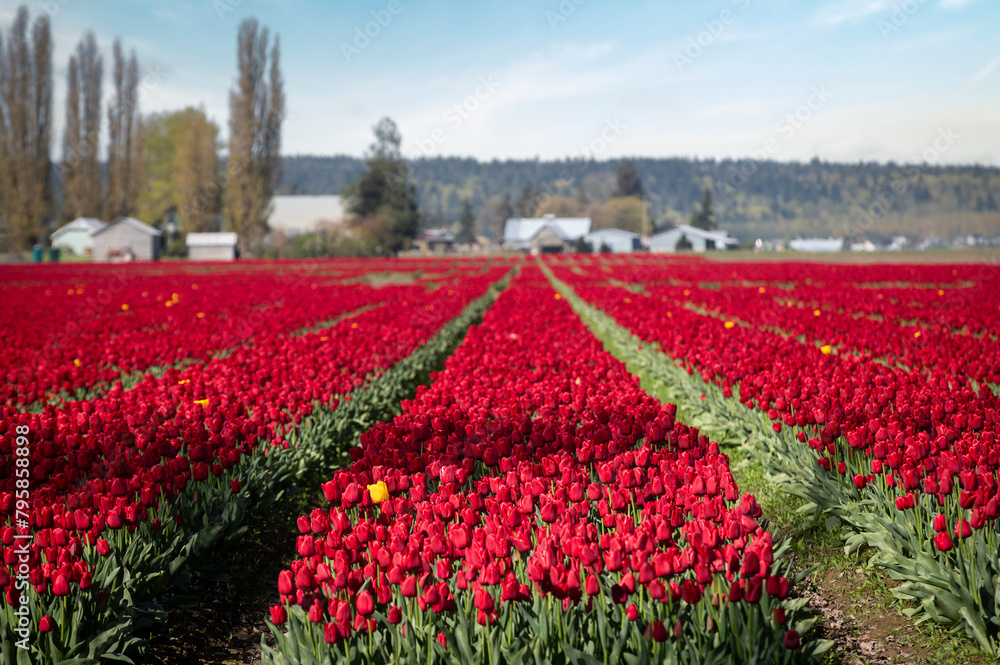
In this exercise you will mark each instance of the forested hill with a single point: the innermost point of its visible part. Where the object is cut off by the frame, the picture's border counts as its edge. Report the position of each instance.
(752, 199)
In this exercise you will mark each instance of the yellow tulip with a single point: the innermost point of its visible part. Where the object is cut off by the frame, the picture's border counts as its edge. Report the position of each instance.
(379, 492)
(729, 324)
(202, 402)
(826, 349)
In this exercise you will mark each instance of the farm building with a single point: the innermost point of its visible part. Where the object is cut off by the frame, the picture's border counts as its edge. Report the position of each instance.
(620, 242)
(211, 246)
(816, 244)
(77, 237)
(436, 241)
(295, 214)
(128, 239)
(697, 239)
(544, 235)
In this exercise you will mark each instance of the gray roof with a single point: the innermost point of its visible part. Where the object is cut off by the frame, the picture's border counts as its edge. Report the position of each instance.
(133, 223)
(211, 240)
(88, 224)
(520, 230)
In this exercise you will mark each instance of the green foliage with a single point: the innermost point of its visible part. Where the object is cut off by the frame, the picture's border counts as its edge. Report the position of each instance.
(628, 182)
(704, 216)
(466, 221)
(382, 199)
(750, 197)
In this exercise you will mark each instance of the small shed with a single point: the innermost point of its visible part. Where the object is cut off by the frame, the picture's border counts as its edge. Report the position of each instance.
(77, 237)
(436, 241)
(698, 240)
(620, 241)
(128, 239)
(211, 246)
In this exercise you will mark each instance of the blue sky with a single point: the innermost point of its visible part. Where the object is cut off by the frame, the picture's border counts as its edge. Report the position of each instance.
(844, 80)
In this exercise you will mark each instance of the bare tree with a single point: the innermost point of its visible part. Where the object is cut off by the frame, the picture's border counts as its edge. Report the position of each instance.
(124, 147)
(257, 108)
(81, 170)
(25, 131)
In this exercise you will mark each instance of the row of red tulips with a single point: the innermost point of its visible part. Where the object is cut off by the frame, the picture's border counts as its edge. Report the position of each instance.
(125, 487)
(534, 485)
(67, 332)
(894, 453)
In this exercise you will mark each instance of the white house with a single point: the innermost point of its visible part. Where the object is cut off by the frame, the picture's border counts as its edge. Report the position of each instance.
(544, 234)
(294, 214)
(127, 239)
(211, 246)
(619, 241)
(77, 236)
(700, 240)
(816, 244)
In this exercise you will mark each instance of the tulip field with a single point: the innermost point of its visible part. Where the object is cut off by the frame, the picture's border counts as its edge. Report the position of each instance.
(499, 482)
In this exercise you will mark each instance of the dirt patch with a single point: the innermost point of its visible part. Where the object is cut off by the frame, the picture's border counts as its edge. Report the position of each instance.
(226, 625)
(863, 632)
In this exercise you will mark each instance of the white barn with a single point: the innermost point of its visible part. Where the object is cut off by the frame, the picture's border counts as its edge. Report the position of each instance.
(128, 239)
(544, 234)
(620, 242)
(293, 214)
(211, 246)
(77, 237)
(699, 239)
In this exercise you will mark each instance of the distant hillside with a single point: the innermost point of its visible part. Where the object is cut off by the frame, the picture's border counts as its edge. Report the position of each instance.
(752, 199)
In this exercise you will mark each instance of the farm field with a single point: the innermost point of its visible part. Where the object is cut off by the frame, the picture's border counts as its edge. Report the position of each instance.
(577, 458)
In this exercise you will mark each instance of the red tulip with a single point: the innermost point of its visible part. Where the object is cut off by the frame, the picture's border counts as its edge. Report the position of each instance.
(60, 587)
(364, 603)
(278, 614)
(46, 624)
(792, 640)
(943, 541)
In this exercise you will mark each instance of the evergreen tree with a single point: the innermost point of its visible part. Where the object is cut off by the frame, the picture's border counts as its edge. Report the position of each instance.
(704, 217)
(382, 200)
(466, 220)
(628, 181)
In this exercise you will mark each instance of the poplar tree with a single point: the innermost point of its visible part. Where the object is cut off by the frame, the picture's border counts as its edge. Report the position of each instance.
(124, 146)
(81, 170)
(256, 113)
(25, 131)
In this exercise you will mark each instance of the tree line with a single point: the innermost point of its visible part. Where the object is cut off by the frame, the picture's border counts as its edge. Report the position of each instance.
(748, 197)
(159, 167)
